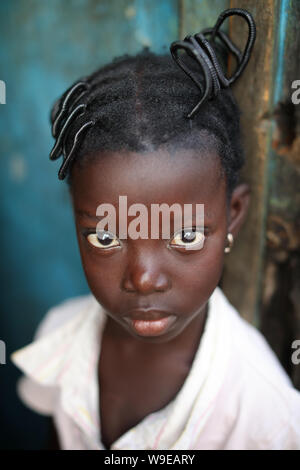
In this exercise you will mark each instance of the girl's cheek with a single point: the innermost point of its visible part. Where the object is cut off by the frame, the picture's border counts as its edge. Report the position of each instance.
(205, 269)
(103, 284)
(102, 271)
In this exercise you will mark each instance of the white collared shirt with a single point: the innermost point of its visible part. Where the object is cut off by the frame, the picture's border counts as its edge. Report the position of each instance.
(236, 395)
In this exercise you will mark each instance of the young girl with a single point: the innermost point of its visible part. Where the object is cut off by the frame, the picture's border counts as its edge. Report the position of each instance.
(156, 357)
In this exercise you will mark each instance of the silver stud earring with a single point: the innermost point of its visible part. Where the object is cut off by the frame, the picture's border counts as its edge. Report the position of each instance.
(230, 243)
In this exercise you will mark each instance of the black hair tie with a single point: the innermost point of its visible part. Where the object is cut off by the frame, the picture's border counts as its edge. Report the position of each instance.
(63, 115)
(201, 49)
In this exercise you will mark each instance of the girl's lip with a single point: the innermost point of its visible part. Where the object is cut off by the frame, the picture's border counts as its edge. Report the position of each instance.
(148, 314)
(151, 327)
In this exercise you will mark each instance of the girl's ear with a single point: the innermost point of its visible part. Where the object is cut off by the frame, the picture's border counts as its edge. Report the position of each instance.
(238, 208)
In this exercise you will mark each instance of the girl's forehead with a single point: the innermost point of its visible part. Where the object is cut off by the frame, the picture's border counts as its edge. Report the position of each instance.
(161, 176)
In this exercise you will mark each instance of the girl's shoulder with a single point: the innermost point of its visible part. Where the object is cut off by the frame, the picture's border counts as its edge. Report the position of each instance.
(42, 360)
(61, 313)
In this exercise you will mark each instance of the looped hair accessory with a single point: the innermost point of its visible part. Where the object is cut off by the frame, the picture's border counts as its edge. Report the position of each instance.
(63, 114)
(201, 50)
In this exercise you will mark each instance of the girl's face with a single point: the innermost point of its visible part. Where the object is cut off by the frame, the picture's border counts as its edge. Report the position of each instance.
(137, 280)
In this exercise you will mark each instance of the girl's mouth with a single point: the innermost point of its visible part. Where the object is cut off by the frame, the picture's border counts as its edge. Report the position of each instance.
(148, 326)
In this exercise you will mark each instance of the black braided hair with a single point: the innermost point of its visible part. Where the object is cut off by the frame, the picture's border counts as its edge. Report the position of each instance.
(140, 103)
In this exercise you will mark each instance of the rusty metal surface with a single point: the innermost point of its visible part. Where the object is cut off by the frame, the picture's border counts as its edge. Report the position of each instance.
(280, 308)
(262, 273)
(242, 280)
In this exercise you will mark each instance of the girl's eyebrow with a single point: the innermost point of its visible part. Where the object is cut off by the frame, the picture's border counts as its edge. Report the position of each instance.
(83, 213)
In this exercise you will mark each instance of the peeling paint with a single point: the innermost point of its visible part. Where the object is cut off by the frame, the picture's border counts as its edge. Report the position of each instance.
(130, 12)
(17, 168)
(142, 38)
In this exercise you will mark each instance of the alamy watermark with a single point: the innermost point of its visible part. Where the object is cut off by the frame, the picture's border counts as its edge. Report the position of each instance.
(296, 354)
(183, 219)
(2, 92)
(296, 93)
(2, 352)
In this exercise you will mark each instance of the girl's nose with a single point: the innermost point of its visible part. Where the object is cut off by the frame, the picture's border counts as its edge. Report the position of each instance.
(145, 278)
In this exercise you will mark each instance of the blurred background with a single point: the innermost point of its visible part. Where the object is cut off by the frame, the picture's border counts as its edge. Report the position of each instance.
(45, 47)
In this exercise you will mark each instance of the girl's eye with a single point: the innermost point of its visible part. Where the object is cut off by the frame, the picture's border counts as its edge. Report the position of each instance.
(190, 238)
(103, 239)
